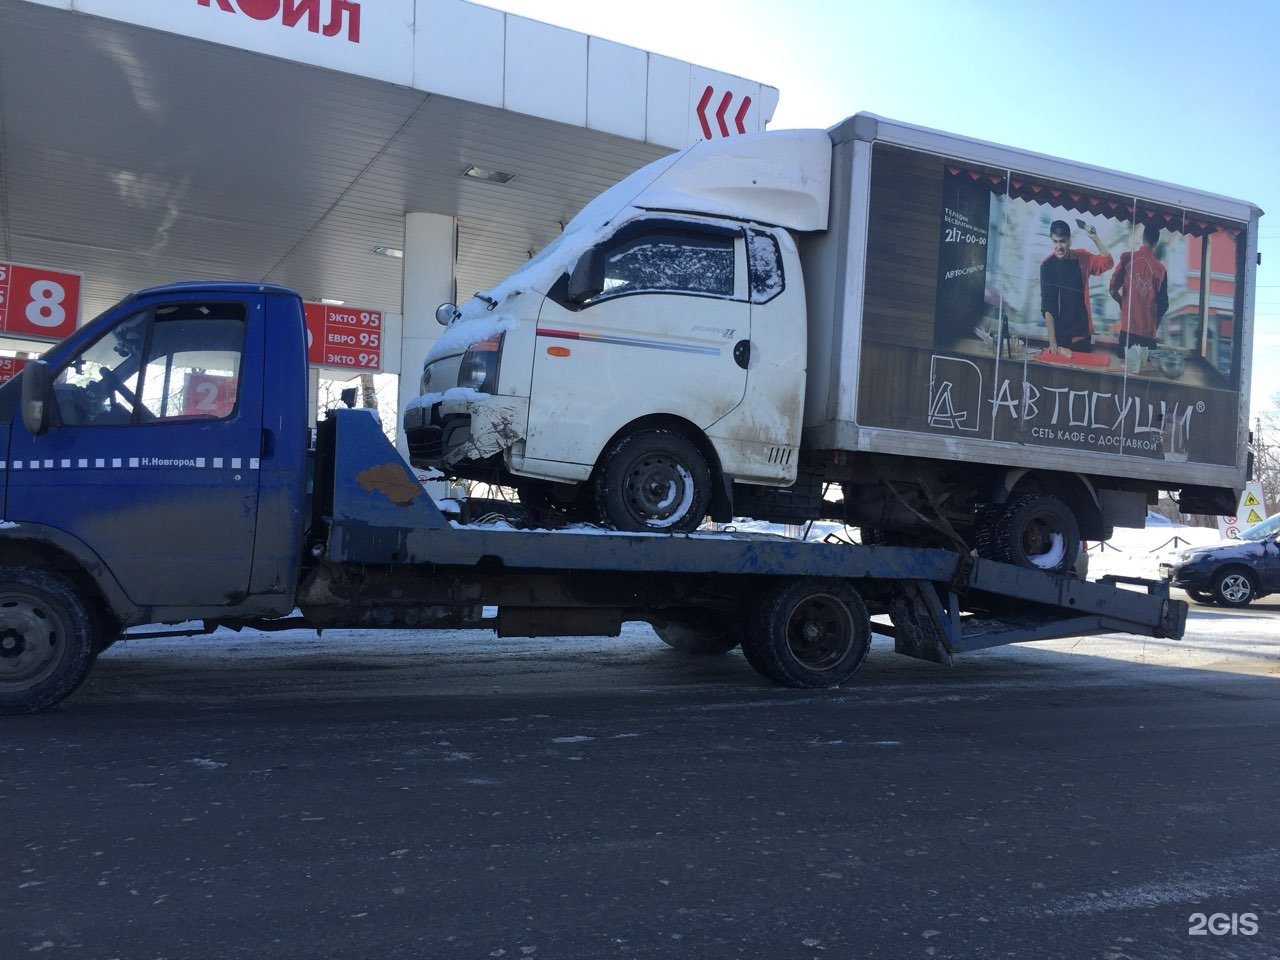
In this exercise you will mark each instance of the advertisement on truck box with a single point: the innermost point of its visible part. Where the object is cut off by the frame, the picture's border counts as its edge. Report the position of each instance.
(1058, 315)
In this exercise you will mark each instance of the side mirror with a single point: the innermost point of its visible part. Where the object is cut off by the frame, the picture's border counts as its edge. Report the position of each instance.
(587, 277)
(36, 397)
(446, 313)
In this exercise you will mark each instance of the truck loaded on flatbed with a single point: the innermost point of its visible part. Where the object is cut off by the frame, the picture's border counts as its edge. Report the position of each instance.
(157, 469)
(934, 338)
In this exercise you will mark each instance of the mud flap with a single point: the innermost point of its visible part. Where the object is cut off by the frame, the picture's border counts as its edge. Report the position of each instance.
(923, 627)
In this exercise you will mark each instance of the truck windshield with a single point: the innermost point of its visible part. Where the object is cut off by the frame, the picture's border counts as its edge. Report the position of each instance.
(581, 233)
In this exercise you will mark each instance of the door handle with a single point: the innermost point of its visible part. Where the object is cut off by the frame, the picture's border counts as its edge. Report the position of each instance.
(742, 353)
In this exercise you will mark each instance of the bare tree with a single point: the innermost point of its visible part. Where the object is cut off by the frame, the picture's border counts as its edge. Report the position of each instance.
(368, 392)
(1266, 453)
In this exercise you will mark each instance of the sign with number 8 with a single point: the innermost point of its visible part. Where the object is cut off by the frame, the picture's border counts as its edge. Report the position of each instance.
(38, 304)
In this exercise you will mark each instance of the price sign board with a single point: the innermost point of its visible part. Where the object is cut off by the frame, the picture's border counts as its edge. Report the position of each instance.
(209, 395)
(38, 304)
(10, 367)
(344, 337)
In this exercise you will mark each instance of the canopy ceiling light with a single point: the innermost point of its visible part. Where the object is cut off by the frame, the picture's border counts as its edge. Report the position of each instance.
(491, 176)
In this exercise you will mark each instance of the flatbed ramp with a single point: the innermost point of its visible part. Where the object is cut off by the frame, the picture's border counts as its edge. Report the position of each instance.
(800, 610)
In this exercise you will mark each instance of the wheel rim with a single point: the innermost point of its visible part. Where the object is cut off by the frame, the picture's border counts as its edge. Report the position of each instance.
(1236, 587)
(659, 491)
(32, 638)
(819, 632)
(1042, 545)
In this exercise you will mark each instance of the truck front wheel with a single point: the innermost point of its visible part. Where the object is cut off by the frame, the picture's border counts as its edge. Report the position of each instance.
(809, 633)
(46, 640)
(655, 481)
(1031, 530)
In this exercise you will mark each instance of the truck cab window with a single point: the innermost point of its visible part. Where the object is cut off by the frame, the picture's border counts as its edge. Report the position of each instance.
(179, 362)
(670, 260)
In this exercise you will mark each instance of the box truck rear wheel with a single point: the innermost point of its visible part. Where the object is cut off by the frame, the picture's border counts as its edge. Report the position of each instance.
(809, 633)
(1031, 530)
(46, 640)
(654, 481)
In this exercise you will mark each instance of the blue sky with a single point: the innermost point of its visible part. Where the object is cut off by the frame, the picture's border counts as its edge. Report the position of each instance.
(1180, 92)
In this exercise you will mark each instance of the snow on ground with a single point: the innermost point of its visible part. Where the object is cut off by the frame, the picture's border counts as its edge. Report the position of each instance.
(1137, 553)
(1130, 553)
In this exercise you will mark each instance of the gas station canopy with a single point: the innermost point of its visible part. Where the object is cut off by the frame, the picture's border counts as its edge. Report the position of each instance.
(145, 141)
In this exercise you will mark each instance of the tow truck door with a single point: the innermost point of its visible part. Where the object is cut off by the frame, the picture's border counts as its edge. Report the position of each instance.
(152, 458)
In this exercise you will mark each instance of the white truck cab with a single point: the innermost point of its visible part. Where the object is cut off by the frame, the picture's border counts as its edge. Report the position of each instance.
(651, 356)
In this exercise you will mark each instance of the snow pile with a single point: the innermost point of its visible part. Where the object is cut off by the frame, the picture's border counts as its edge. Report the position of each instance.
(453, 393)
(471, 328)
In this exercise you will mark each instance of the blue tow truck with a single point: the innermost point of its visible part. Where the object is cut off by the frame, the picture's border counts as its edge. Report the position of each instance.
(158, 468)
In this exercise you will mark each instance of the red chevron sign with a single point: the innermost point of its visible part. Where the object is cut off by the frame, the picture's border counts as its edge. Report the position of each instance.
(721, 111)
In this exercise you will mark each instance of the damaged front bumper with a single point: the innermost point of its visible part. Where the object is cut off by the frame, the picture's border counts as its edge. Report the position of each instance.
(454, 432)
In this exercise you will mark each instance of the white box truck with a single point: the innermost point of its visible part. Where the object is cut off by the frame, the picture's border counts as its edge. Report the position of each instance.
(934, 338)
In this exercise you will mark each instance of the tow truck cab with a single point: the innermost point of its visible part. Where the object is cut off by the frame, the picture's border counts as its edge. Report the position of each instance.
(156, 458)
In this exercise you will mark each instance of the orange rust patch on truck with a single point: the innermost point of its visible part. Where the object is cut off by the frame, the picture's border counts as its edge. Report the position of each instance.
(390, 480)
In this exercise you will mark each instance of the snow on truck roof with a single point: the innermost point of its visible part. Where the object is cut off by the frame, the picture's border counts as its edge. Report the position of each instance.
(782, 178)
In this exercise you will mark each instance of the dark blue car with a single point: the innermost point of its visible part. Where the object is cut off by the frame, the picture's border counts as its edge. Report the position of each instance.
(1232, 573)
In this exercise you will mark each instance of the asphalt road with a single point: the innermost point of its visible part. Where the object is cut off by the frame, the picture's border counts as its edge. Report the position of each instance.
(418, 796)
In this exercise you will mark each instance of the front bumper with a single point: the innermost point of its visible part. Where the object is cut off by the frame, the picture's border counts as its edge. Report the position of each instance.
(1193, 575)
(424, 434)
(452, 432)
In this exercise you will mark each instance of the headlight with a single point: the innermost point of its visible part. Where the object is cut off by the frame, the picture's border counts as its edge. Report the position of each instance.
(426, 380)
(479, 369)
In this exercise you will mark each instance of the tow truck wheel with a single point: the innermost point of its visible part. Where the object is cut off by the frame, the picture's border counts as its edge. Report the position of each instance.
(655, 481)
(1031, 530)
(809, 633)
(702, 636)
(1234, 587)
(46, 640)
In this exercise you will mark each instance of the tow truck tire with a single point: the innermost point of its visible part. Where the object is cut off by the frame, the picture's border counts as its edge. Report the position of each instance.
(46, 640)
(654, 481)
(1031, 530)
(700, 636)
(809, 633)
(1234, 587)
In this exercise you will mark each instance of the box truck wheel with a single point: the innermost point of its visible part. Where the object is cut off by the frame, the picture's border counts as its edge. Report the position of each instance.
(46, 640)
(1031, 530)
(809, 633)
(701, 634)
(655, 481)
